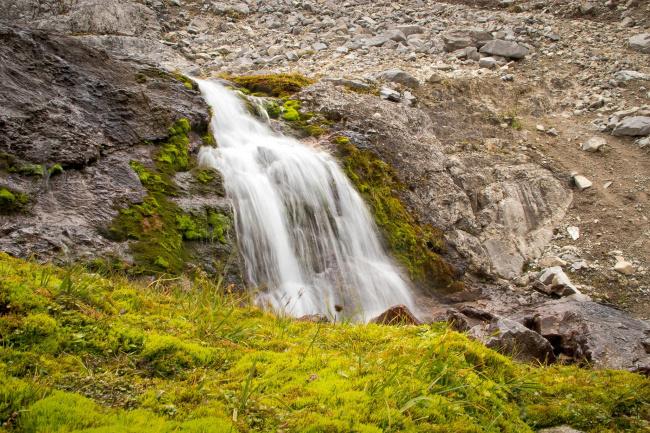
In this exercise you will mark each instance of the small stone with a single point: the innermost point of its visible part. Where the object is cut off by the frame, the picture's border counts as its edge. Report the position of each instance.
(607, 185)
(389, 94)
(633, 126)
(574, 232)
(487, 62)
(319, 46)
(553, 132)
(434, 78)
(292, 55)
(582, 182)
(641, 43)
(623, 267)
(593, 144)
(540, 128)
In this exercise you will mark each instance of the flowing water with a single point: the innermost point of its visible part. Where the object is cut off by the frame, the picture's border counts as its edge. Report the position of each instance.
(308, 241)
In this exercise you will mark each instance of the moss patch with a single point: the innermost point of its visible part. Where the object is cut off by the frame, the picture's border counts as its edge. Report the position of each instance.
(15, 165)
(85, 353)
(277, 86)
(157, 227)
(415, 246)
(12, 201)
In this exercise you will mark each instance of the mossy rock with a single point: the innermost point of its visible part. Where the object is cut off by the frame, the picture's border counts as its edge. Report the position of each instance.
(12, 201)
(416, 246)
(277, 86)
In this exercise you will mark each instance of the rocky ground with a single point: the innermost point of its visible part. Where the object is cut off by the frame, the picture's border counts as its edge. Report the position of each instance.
(521, 128)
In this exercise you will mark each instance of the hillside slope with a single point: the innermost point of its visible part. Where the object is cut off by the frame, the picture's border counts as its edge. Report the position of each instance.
(82, 352)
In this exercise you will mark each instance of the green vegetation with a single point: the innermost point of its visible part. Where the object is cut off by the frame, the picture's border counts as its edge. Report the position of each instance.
(12, 201)
(157, 74)
(57, 169)
(172, 156)
(300, 121)
(157, 227)
(277, 86)
(85, 353)
(14, 165)
(414, 245)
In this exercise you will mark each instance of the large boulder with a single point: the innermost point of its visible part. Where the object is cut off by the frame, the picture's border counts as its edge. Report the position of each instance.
(508, 49)
(633, 126)
(641, 42)
(400, 77)
(589, 332)
(513, 338)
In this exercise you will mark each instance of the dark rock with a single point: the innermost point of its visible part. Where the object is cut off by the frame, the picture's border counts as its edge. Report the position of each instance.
(475, 313)
(456, 320)
(313, 318)
(588, 332)
(397, 315)
(513, 338)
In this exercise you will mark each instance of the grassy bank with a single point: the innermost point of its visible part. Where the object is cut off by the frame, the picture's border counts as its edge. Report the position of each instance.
(82, 352)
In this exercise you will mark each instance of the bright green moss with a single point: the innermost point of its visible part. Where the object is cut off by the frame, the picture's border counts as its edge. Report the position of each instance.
(277, 86)
(31, 170)
(12, 201)
(57, 169)
(416, 246)
(172, 156)
(291, 111)
(168, 357)
(211, 226)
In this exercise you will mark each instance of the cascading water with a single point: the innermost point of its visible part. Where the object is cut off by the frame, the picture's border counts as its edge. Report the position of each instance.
(307, 238)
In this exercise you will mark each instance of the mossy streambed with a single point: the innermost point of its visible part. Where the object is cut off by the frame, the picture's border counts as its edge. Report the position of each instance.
(92, 353)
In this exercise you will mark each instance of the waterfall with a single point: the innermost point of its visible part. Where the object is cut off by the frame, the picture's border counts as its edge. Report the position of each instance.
(309, 243)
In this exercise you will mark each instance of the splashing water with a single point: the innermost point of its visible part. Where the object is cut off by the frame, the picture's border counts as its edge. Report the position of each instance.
(308, 241)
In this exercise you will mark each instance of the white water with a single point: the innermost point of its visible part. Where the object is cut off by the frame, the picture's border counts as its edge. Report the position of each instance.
(308, 241)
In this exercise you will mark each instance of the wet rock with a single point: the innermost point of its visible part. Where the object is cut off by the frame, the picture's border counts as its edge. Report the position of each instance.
(513, 338)
(397, 76)
(502, 48)
(633, 126)
(397, 315)
(456, 320)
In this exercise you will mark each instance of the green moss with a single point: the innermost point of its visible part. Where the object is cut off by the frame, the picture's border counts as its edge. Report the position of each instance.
(57, 169)
(210, 226)
(172, 156)
(278, 86)
(31, 170)
(291, 111)
(273, 109)
(416, 246)
(12, 201)
(208, 140)
(165, 357)
(14, 165)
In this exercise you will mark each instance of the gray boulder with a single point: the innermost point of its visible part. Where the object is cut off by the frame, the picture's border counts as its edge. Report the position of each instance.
(633, 126)
(457, 40)
(382, 38)
(641, 42)
(509, 49)
(397, 76)
(513, 338)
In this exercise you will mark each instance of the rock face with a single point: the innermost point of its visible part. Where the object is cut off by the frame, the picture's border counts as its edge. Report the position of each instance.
(495, 214)
(65, 104)
(514, 339)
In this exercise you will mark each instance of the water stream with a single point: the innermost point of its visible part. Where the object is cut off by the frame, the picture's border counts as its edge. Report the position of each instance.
(308, 241)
